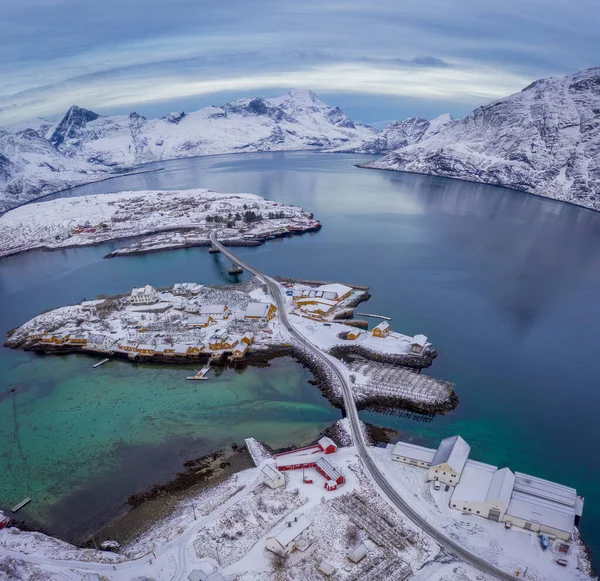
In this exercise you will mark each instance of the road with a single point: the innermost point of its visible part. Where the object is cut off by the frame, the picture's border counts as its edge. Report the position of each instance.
(378, 477)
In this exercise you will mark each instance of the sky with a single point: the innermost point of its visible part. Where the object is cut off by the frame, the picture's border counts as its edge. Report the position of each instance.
(378, 60)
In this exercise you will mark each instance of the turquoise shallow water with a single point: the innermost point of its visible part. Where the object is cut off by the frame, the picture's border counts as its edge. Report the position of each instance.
(504, 284)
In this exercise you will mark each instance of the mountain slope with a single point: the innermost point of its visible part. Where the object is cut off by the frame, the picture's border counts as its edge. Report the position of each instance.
(544, 140)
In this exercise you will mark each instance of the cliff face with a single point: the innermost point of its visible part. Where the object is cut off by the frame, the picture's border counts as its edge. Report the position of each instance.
(544, 140)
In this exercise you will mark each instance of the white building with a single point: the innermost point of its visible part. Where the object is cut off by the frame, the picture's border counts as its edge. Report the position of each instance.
(263, 312)
(483, 490)
(358, 553)
(335, 291)
(291, 536)
(215, 311)
(413, 454)
(449, 460)
(186, 288)
(145, 295)
(543, 506)
(417, 344)
(272, 477)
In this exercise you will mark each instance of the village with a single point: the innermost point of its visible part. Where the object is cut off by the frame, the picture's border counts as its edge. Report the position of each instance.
(312, 513)
(151, 221)
(193, 323)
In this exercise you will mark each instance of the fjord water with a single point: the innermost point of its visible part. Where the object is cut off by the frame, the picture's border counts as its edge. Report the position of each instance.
(504, 284)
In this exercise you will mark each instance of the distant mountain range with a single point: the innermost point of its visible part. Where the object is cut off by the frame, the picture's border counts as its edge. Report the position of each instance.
(544, 140)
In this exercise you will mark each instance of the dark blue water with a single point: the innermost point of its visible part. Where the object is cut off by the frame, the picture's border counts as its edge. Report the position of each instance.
(506, 286)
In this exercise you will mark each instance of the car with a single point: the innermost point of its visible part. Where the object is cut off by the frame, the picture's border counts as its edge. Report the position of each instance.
(327, 324)
(562, 562)
(507, 524)
(437, 485)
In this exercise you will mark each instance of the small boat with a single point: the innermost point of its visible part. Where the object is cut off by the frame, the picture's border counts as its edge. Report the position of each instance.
(544, 541)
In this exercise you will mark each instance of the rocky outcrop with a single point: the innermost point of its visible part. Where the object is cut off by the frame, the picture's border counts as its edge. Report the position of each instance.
(544, 140)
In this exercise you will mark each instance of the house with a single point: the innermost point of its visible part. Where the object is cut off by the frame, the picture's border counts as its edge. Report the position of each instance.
(37, 334)
(316, 306)
(413, 454)
(205, 572)
(199, 322)
(358, 553)
(263, 312)
(186, 288)
(78, 339)
(215, 311)
(326, 568)
(248, 338)
(335, 291)
(327, 445)
(333, 475)
(382, 330)
(165, 348)
(240, 350)
(218, 339)
(354, 334)
(272, 477)
(449, 460)
(291, 536)
(100, 341)
(91, 306)
(145, 349)
(145, 295)
(180, 349)
(127, 345)
(195, 349)
(418, 344)
(59, 338)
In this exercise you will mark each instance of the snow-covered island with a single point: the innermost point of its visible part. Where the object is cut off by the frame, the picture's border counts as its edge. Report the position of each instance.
(158, 220)
(239, 324)
(314, 514)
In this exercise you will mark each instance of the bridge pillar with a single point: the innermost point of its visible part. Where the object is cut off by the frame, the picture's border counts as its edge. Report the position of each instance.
(213, 249)
(235, 269)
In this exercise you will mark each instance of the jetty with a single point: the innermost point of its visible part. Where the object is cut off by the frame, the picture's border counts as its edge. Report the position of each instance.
(375, 316)
(100, 363)
(200, 375)
(20, 505)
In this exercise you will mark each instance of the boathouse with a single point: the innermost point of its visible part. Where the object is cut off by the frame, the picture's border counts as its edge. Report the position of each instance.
(79, 339)
(145, 349)
(100, 341)
(291, 536)
(418, 344)
(240, 350)
(195, 349)
(199, 322)
(127, 345)
(37, 334)
(449, 460)
(262, 312)
(145, 295)
(354, 334)
(335, 291)
(165, 348)
(382, 330)
(272, 477)
(59, 338)
(248, 338)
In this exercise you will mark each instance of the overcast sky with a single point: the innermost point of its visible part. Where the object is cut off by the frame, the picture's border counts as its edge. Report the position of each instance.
(377, 59)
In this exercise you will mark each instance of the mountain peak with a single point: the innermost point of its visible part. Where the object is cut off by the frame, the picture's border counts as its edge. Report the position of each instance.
(75, 118)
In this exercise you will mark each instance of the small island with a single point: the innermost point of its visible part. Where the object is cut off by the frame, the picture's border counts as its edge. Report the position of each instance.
(151, 221)
(239, 325)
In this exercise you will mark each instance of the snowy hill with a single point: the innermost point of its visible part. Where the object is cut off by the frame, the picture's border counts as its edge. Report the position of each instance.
(402, 133)
(544, 140)
(40, 157)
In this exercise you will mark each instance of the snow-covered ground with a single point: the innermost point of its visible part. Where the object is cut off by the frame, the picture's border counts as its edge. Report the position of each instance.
(183, 218)
(234, 519)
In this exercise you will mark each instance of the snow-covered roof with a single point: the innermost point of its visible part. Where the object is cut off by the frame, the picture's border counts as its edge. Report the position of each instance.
(258, 310)
(419, 340)
(358, 552)
(501, 486)
(143, 291)
(329, 468)
(93, 303)
(98, 338)
(339, 289)
(272, 472)
(180, 347)
(146, 347)
(248, 335)
(91, 577)
(292, 530)
(414, 452)
(538, 500)
(382, 326)
(162, 347)
(241, 348)
(475, 482)
(318, 300)
(317, 307)
(212, 309)
(326, 441)
(198, 320)
(326, 568)
(453, 451)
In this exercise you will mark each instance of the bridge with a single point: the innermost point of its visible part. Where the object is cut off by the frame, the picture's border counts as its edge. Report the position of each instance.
(336, 368)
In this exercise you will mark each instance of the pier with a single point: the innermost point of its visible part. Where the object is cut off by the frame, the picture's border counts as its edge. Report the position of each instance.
(375, 316)
(200, 375)
(100, 363)
(20, 505)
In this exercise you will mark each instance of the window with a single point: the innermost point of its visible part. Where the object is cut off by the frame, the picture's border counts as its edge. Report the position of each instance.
(470, 510)
(454, 506)
(478, 512)
(464, 508)
(444, 474)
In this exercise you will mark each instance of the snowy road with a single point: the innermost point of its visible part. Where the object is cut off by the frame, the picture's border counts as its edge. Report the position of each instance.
(336, 367)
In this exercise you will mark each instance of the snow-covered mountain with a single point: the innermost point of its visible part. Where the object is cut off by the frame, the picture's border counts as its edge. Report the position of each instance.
(298, 120)
(402, 133)
(39, 157)
(544, 140)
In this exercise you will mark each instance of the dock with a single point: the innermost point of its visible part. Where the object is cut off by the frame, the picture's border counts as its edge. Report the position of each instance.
(375, 316)
(20, 505)
(200, 375)
(100, 363)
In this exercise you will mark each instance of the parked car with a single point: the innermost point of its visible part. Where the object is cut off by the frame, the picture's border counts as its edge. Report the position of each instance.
(562, 562)
(507, 524)
(437, 485)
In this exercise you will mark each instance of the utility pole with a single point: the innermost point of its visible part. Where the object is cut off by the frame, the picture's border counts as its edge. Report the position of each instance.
(94, 541)
(194, 509)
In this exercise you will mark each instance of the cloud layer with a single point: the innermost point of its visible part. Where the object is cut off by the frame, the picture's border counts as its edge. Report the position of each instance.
(120, 55)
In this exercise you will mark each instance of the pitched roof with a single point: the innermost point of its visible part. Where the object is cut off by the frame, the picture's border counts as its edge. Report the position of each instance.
(501, 486)
(474, 482)
(258, 310)
(382, 326)
(212, 309)
(413, 452)
(270, 471)
(419, 340)
(289, 532)
(453, 451)
(339, 289)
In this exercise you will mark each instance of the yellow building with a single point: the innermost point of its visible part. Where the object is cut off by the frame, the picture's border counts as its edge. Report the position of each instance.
(38, 334)
(195, 349)
(382, 330)
(56, 338)
(239, 351)
(260, 312)
(127, 345)
(145, 349)
(354, 334)
(79, 339)
(248, 338)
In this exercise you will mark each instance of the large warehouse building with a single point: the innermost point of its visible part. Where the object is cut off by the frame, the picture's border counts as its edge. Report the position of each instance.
(497, 494)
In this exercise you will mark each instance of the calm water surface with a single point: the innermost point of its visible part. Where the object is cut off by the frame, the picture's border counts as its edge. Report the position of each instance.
(506, 286)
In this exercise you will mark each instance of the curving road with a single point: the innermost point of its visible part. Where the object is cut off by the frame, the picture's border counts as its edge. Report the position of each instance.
(352, 413)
